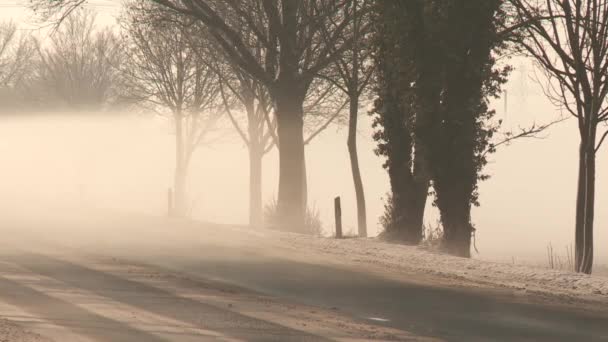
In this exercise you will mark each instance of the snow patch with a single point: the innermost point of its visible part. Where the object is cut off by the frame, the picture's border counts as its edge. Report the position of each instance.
(410, 259)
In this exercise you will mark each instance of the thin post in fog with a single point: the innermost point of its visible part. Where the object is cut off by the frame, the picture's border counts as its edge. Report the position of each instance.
(338, 214)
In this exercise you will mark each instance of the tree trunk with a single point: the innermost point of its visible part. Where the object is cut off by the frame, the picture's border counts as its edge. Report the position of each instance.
(256, 155)
(354, 164)
(179, 182)
(255, 186)
(304, 185)
(585, 202)
(587, 264)
(409, 202)
(579, 239)
(290, 129)
(409, 187)
(455, 211)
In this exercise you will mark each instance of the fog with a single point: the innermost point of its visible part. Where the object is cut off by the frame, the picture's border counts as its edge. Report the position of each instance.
(99, 243)
(125, 161)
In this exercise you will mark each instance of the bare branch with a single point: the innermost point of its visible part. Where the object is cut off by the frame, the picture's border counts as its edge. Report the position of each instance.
(524, 133)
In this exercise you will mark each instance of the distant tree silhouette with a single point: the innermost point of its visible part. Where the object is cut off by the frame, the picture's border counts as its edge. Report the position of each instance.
(78, 67)
(351, 73)
(242, 93)
(299, 38)
(17, 61)
(163, 71)
(295, 52)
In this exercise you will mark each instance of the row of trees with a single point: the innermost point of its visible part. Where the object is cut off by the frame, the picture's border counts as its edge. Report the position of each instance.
(437, 72)
(434, 66)
(177, 73)
(231, 90)
(75, 68)
(14, 51)
(438, 68)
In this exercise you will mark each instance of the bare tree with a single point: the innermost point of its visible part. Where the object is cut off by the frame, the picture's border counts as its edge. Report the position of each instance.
(17, 57)
(568, 39)
(323, 106)
(296, 49)
(351, 73)
(164, 71)
(78, 67)
(290, 33)
(260, 133)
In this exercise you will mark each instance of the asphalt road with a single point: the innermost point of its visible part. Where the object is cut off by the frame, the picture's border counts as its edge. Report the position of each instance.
(452, 314)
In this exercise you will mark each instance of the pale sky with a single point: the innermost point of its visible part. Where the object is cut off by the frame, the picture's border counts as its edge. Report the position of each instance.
(17, 11)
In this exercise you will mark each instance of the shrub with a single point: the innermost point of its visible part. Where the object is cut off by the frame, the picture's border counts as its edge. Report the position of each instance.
(388, 217)
(432, 236)
(312, 219)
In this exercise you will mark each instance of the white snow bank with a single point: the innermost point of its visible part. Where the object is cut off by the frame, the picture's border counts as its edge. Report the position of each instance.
(417, 260)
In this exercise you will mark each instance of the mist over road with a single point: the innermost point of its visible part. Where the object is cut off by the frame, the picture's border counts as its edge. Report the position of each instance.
(80, 276)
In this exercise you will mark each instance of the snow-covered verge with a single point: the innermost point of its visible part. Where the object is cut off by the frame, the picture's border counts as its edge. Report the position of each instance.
(390, 260)
(11, 332)
(417, 260)
(405, 262)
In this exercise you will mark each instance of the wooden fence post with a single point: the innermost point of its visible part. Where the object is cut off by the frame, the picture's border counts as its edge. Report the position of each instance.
(338, 212)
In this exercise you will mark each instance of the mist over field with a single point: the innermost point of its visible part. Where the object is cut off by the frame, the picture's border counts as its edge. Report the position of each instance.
(124, 161)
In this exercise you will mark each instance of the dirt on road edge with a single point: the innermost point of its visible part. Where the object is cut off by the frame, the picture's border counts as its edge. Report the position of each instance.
(12, 332)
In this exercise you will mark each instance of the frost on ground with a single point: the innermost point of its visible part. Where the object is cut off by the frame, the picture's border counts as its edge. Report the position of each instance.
(11, 332)
(416, 260)
(406, 262)
(390, 260)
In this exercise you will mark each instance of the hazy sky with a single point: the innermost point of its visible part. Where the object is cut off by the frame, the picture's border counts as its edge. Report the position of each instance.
(528, 202)
(16, 10)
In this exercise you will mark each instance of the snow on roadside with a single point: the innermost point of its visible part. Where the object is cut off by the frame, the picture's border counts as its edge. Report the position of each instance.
(417, 260)
(405, 260)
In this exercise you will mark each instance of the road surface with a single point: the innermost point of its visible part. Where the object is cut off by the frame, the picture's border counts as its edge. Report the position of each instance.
(126, 279)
